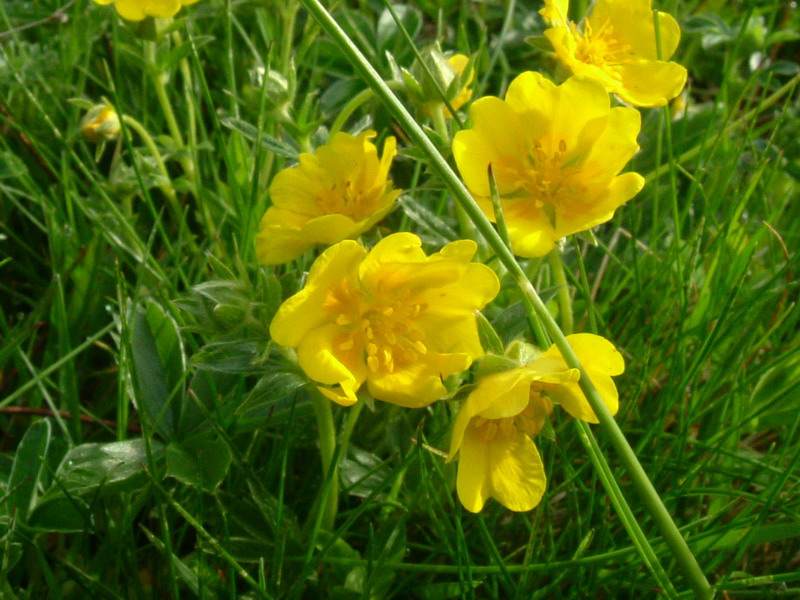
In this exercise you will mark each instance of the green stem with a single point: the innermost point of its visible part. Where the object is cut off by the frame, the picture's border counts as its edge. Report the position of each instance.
(159, 78)
(166, 187)
(587, 290)
(440, 123)
(349, 108)
(191, 149)
(652, 501)
(564, 300)
(289, 15)
(327, 448)
(349, 425)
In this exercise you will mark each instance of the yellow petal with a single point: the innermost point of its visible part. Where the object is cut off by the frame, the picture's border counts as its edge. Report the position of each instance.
(323, 360)
(601, 207)
(342, 398)
(651, 83)
(532, 234)
(611, 150)
(555, 12)
(132, 10)
(634, 26)
(597, 352)
(305, 310)
(500, 395)
(600, 360)
(507, 468)
(413, 387)
(497, 137)
(297, 188)
(516, 472)
(473, 480)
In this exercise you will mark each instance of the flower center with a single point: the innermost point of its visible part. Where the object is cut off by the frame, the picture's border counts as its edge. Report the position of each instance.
(530, 421)
(600, 47)
(549, 180)
(384, 325)
(491, 429)
(346, 198)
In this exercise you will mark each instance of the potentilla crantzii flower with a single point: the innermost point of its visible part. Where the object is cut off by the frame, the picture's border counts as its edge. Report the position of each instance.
(337, 193)
(101, 123)
(493, 430)
(392, 317)
(555, 153)
(616, 44)
(136, 10)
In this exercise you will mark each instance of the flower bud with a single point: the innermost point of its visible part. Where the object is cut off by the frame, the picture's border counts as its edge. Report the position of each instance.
(101, 123)
(279, 91)
(449, 75)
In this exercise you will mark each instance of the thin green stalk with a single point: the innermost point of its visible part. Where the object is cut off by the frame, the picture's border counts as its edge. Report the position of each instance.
(159, 78)
(349, 108)
(440, 124)
(350, 423)
(564, 301)
(191, 148)
(166, 187)
(587, 288)
(289, 16)
(425, 68)
(327, 448)
(624, 511)
(649, 496)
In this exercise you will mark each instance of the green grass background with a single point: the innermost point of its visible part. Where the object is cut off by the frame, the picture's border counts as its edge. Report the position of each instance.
(211, 489)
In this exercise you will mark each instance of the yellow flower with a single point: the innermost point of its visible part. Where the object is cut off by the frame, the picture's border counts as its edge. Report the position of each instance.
(393, 317)
(136, 10)
(459, 62)
(616, 44)
(492, 431)
(555, 152)
(101, 122)
(335, 194)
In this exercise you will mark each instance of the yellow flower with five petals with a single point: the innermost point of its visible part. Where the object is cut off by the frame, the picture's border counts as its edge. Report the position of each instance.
(493, 430)
(393, 318)
(137, 10)
(555, 153)
(616, 44)
(337, 193)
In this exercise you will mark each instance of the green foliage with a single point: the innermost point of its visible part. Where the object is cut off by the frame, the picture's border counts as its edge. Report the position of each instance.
(156, 443)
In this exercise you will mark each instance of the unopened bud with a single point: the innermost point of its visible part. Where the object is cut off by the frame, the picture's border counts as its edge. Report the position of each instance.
(101, 123)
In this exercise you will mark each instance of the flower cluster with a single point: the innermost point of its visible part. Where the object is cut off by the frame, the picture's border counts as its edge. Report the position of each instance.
(396, 324)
